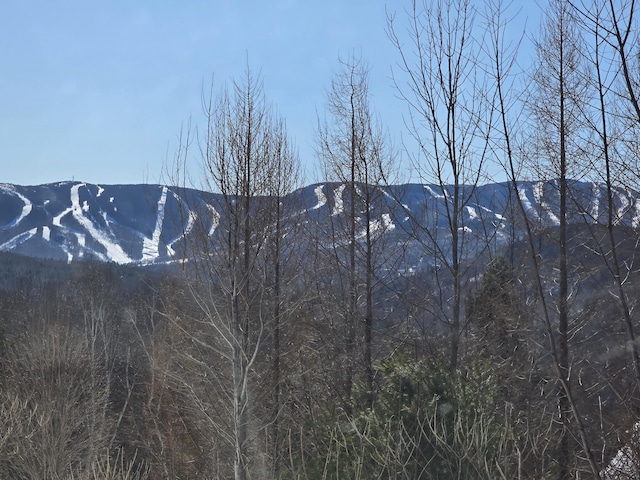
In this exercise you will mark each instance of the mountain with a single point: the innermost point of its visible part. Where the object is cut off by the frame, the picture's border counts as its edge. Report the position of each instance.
(148, 224)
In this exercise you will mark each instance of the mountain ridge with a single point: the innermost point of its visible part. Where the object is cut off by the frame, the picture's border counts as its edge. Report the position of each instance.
(148, 224)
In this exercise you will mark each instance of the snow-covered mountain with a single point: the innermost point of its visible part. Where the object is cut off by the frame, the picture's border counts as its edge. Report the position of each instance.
(147, 224)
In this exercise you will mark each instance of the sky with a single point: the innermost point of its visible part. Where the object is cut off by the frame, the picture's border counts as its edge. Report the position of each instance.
(98, 91)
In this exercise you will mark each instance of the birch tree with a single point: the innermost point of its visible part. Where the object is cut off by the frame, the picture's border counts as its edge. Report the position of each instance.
(245, 159)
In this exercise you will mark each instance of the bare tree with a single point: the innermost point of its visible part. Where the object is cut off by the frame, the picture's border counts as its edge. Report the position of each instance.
(450, 118)
(249, 166)
(355, 152)
(561, 140)
(54, 415)
(281, 267)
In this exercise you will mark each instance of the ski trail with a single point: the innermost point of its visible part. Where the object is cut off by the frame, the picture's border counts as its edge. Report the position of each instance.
(526, 203)
(433, 193)
(18, 239)
(151, 246)
(191, 219)
(215, 220)
(26, 208)
(322, 198)
(625, 204)
(595, 206)
(115, 252)
(338, 206)
(538, 194)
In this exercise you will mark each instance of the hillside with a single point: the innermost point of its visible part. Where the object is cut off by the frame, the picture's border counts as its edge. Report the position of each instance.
(149, 224)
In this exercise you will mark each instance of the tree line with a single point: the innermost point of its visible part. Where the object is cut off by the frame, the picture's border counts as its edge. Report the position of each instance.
(263, 357)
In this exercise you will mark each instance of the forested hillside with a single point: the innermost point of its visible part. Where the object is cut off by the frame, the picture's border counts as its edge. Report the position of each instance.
(455, 327)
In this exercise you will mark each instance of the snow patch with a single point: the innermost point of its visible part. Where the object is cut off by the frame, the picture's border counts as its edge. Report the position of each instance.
(433, 193)
(46, 233)
(115, 252)
(526, 203)
(150, 246)
(338, 205)
(18, 239)
(595, 206)
(538, 194)
(215, 219)
(100, 190)
(322, 198)
(626, 464)
(26, 208)
(378, 226)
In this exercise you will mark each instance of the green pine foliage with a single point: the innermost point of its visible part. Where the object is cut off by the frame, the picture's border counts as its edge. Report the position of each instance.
(426, 422)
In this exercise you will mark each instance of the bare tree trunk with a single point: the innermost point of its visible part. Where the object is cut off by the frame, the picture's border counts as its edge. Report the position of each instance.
(450, 119)
(245, 158)
(353, 152)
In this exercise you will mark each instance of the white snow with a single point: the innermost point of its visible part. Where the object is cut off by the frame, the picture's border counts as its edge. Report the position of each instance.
(433, 193)
(526, 203)
(215, 219)
(626, 464)
(378, 226)
(538, 194)
(624, 206)
(322, 198)
(595, 206)
(100, 190)
(115, 252)
(471, 212)
(46, 233)
(338, 206)
(192, 218)
(26, 208)
(18, 239)
(388, 195)
(635, 221)
(57, 220)
(387, 222)
(150, 246)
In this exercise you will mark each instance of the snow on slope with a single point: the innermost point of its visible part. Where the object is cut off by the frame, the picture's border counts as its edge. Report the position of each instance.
(115, 253)
(18, 239)
(322, 198)
(151, 246)
(77, 220)
(26, 209)
(595, 206)
(433, 193)
(338, 205)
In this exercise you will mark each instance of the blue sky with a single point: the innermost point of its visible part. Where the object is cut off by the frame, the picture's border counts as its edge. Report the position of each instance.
(98, 90)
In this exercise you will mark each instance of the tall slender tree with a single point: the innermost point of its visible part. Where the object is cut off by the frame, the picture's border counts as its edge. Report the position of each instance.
(355, 152)
(559, 96)
(248, 165)
(450, 118)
